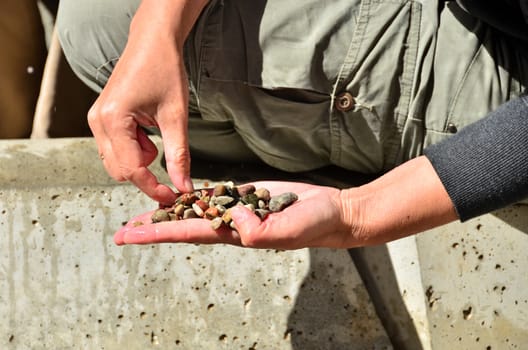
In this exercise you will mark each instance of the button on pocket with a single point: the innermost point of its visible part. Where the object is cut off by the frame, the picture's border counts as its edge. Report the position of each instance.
(451, 128)
(344, 102)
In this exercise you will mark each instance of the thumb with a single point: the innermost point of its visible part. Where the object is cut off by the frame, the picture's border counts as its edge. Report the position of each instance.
(176, 147)
(248, 225)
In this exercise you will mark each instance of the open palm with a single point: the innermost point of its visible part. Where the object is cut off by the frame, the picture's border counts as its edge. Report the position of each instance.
(315, 220)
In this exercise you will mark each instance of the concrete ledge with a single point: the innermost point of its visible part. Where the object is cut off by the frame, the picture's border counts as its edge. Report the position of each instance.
(64, 284)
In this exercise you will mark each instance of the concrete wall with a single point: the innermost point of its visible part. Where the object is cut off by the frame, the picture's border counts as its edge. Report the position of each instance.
(64, 284)
(460, 286)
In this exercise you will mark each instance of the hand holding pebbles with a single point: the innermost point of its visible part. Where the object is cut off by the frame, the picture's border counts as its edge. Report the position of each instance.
(199, 204)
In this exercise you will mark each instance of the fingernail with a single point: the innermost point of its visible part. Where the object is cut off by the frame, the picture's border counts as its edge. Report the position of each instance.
(118, 238)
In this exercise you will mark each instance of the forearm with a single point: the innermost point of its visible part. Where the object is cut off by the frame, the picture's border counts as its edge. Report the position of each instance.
(407, 200)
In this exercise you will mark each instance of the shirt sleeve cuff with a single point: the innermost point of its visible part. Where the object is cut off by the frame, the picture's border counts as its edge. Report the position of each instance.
(484, 166)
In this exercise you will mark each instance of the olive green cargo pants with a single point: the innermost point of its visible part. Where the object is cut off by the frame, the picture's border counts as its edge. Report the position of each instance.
(359, 84)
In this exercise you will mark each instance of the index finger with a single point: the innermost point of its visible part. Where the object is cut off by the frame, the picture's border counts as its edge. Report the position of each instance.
(147, 183)
(175, 141)
(136, 154)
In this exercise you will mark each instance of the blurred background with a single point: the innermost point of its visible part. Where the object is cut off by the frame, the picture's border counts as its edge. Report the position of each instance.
(40, 97)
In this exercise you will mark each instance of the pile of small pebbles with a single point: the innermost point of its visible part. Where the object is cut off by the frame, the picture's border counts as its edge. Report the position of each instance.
(216, 206)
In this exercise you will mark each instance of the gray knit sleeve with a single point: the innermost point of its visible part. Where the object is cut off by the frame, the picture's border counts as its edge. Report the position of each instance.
(484, 167)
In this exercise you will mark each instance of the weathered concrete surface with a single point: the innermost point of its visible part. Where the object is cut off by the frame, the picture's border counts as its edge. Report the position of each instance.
(65, 285)
(460, 286)
(476, 281)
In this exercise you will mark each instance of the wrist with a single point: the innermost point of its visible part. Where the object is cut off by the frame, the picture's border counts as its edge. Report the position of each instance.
(407, 200)
(352, 205)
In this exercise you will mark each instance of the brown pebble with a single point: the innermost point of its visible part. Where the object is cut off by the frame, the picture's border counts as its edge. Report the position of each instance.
(219, 190)
(263, 194)
(188, 198)
(245, 190)
(179, 209)
(189, 214)
(212, 213)
(203, 205)
(160, 215)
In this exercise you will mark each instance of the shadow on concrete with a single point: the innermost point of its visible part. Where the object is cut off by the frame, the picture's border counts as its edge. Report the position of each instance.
(515, 216)
(333, 309)
(376, 269)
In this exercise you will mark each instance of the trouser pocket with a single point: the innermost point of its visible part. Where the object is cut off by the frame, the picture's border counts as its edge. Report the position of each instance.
(476, 70)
